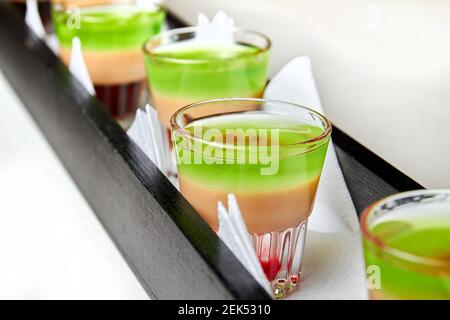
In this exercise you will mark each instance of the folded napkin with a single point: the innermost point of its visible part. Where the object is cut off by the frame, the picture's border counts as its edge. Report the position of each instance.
(151, 136)
(233, 231)
(78, 66)
(33, 19)
(34, 22)
(143, 132)
(333, 261)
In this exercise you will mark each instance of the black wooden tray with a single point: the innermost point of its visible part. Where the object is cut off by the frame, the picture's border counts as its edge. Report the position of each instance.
(172, 251)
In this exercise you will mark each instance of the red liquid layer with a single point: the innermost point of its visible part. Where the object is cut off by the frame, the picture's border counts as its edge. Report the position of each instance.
(271, 267)
(280, 254)
(121, 100)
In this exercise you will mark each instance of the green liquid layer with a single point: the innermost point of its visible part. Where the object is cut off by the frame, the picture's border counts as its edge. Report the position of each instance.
(425, 235)
(110, 27)
(295, 164)
(206, 72)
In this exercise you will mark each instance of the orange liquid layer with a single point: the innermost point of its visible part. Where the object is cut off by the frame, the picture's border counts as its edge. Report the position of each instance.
(263, 212)
(111, 67)
(167, 106)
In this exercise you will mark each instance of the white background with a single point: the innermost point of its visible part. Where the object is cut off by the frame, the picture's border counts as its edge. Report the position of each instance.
(382, 68)
(52, 246)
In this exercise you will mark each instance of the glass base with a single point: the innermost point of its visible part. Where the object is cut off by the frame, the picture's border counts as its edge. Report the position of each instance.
(281, 256)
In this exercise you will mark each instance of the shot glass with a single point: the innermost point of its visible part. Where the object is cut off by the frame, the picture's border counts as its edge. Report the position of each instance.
(182, 71)
(270, 155)
(407, 245)
(112, 34)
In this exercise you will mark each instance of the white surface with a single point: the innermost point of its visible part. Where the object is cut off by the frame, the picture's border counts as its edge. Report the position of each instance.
(382, 67)
(333, 263)
(52, 246)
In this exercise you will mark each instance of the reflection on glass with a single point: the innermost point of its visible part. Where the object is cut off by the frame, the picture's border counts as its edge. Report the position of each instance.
(407, 245)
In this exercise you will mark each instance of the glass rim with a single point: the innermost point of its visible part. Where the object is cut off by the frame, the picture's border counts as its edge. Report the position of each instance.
(191, 29)
(368, 235)
(326, 133)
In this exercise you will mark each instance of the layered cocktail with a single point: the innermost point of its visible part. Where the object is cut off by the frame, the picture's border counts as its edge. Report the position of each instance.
(269, 155)
(112, 36)
(407, 246)
(182, 70)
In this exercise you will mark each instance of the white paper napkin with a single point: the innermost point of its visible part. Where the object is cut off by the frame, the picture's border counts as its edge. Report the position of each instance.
(233, 231)
(151, 136)
(333, 263)
(78, 66)
(33, 19)
(34, 22)
(217, 31)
